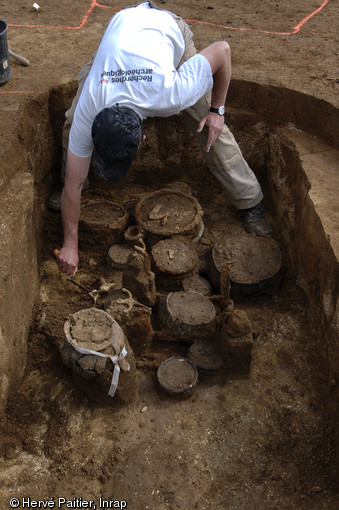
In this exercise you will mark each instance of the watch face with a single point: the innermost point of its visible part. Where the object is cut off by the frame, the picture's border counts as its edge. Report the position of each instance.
(220, 110)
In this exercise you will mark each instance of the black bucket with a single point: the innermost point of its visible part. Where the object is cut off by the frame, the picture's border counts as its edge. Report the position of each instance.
(5, 69)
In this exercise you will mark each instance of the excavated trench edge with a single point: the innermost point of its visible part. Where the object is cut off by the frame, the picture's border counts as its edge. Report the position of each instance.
(28, 184)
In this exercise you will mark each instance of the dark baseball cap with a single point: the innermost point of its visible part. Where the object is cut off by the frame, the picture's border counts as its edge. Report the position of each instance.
(116, 134)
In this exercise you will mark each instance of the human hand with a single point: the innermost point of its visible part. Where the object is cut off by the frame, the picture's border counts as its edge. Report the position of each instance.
(215, 124)
(67, 259)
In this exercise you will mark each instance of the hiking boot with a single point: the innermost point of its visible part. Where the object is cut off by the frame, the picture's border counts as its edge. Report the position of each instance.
(54, 201)
(255, 221)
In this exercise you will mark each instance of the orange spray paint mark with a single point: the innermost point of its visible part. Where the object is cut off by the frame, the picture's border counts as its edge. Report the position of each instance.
(94, 4)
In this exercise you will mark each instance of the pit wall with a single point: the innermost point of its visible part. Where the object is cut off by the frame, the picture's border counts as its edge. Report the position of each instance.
(25, 157)
(280, 106)
(30, 162)
(306, 205)
(301, 176)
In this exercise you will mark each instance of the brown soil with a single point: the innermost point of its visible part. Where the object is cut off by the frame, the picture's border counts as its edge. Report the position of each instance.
(102, 213)
(238, 324)
(235, 439)
(260, 442)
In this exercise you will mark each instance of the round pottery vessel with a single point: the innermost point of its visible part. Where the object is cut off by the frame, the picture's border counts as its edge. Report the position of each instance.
(205, 354)
(118, 255)
(102, 223)
(253, 263)
(167, 213)
(187, 315)
(177, 377)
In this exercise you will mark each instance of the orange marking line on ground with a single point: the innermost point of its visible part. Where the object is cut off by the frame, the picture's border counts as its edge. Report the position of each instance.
(294, 31)
(94, 3)
(298, 27)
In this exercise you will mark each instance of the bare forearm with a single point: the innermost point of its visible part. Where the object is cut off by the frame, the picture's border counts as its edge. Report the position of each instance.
(76, 173)
(71, 200)
(219, 57)
(222, 80)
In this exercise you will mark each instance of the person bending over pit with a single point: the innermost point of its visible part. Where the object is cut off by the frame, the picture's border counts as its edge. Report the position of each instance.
(147, 66)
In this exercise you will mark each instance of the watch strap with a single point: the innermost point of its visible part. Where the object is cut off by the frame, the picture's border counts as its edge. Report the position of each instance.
(219, 111)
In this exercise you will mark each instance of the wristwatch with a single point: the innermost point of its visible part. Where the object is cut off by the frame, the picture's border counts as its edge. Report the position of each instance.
(219, 111)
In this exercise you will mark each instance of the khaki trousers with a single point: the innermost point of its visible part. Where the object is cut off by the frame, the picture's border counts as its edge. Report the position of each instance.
(225, 160)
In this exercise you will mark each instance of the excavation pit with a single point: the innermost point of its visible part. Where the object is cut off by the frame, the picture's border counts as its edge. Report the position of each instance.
(278, 417)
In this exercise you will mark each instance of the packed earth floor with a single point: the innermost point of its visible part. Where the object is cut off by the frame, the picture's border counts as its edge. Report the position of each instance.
(256, 441)
(259, 441)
